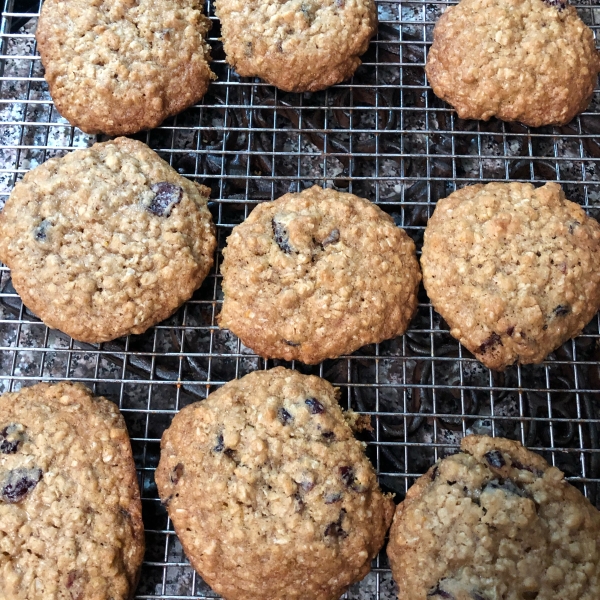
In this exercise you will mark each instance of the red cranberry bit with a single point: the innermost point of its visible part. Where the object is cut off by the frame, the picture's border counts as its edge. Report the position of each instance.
(332, 238)
(19, 483)
(281, 236)
(490, 343)
(167, 196)
(220, 444)
(335, 530)
(347, 475)
(10, 438)
(333, 498)
(561, 310)
(177, 473)
(314, 406)
(284, 416)
(495, 459)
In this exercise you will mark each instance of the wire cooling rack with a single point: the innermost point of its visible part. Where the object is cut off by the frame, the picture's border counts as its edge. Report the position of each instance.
(384, 136)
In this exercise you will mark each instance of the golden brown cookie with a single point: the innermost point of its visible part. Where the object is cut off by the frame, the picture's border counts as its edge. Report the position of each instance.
(118, 67)
(514, 270)
(495, 521)
(106, 241)
(296, 45)
(271, 495)
(533, 61)
(70, 512)
(317, 274)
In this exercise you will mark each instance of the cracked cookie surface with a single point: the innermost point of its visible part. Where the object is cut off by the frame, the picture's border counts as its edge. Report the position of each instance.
(317, 274)
(532, 61)
(271, 495)
(121, 66)
(106, 241)
(70, 512)
(513, 269)
(495, 521)
(296, 45)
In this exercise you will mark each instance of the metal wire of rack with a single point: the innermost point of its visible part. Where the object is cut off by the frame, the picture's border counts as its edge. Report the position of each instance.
(383, 135)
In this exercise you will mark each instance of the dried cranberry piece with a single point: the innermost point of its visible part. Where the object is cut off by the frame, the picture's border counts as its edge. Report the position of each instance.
(347, 475)
(307, 485)
(220, 444)
(281, 236)
(333, 498)
(328, 435)
(560, 5)
(438, 591)
(561, 310)
(177, 473)
(332, 238)
(19, 483)
(167, 196)
(495, 459)
(10, 438)
(40, 233)
(508, 486)
(284, 416)
(335, 530)
(491, 342)
(314, 406)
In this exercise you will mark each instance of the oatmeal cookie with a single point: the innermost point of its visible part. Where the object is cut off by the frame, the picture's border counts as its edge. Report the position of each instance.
(70, 511)
(106, 241)
(117, 66)
(532, 61)
(296, 45)
(270, 494)
(495, 521)
(514, 270)
(318, 274)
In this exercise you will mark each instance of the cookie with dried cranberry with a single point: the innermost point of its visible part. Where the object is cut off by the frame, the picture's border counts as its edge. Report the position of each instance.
(318, 274)
(119, 67)
(513, 269)
(270, 494)
(70, 511)
(106, 241)
(495, 521)
(533, 61)
(298, 45)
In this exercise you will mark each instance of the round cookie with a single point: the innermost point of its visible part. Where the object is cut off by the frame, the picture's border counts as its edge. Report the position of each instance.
(106, 241)
(119, 67)
(514, 270)
(270, 494)
(70, 511)
(317, 274)
(495, 521)
(296, 45)
(532, 61)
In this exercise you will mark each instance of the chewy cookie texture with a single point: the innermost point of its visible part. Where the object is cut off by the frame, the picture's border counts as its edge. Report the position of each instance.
(271, 495)
(106, 241)
(317, 274)
(120, 66)
(514, 270)
(70, 511)
(495, 521)
(533, 61)
(296, 45)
